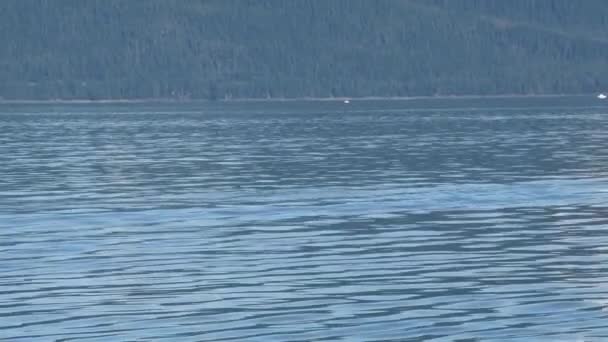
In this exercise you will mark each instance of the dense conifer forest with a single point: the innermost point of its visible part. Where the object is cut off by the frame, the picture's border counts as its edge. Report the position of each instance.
(217, 49)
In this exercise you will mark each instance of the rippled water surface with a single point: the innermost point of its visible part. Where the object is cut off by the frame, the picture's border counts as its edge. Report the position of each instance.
(456, 220)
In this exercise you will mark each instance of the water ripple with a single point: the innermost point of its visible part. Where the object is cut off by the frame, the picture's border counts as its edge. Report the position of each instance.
(210, 224)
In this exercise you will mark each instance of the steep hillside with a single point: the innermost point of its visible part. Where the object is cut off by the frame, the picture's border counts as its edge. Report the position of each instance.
(99, 49)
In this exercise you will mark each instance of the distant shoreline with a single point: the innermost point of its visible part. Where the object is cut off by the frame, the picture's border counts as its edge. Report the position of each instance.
(294, 99)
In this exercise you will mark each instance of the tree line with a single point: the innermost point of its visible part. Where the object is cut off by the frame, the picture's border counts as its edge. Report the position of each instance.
(218, 49)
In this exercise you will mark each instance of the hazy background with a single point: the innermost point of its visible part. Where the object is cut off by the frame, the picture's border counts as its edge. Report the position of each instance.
(110, 49)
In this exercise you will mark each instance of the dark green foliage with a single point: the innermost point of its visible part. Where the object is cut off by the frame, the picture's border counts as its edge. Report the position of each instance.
(215, 49)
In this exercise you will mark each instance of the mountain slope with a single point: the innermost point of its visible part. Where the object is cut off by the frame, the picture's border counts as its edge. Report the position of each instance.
(276, 48)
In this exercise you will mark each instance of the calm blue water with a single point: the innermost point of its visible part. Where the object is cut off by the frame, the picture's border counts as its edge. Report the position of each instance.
(455, 220)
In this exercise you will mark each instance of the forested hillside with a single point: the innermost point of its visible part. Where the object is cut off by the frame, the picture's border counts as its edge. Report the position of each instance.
(216, 49)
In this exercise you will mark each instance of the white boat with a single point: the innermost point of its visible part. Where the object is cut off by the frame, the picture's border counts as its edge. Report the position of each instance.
(602, 96)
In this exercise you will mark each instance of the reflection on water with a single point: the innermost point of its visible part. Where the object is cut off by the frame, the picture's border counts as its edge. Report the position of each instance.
(303, 222)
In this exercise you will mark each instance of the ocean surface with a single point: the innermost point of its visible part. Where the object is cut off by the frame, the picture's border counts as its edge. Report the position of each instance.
(419, 220)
